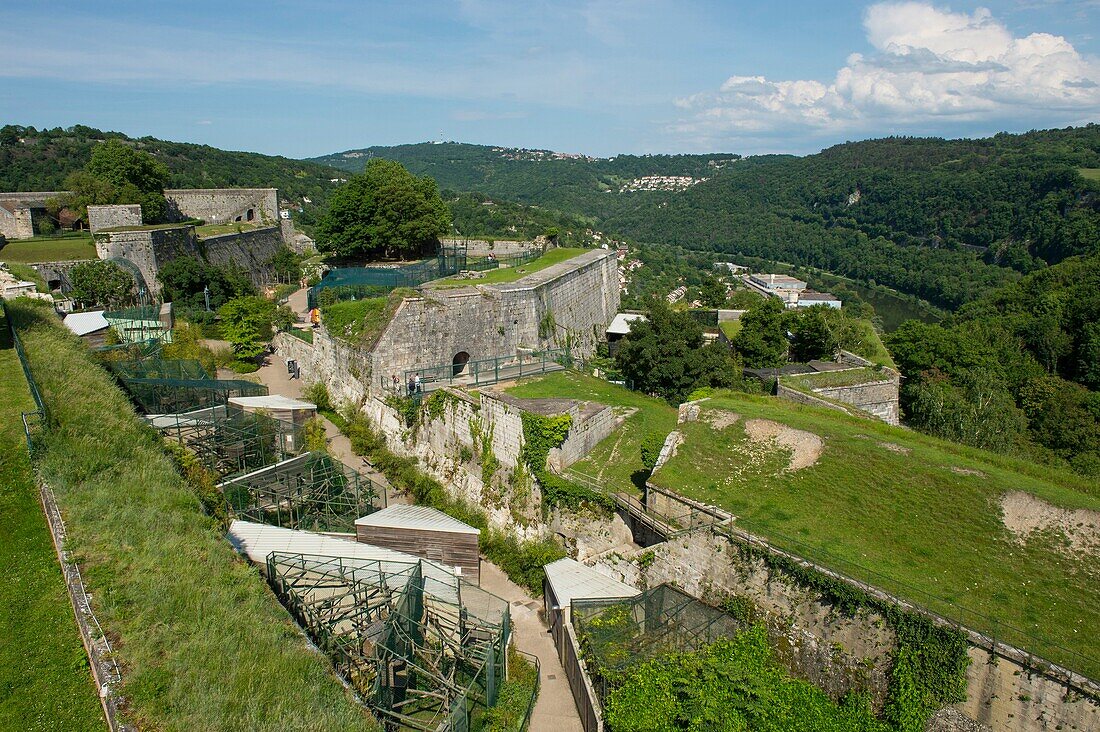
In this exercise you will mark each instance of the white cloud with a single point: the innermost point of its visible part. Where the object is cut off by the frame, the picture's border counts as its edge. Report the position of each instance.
(928, 63)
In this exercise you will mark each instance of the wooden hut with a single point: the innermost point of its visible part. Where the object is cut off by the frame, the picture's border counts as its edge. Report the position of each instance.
(427, 533)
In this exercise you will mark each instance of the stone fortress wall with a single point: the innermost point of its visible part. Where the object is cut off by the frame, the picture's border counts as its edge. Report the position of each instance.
(568, 304)
(18, 212)
(225, 205)
(109, 217)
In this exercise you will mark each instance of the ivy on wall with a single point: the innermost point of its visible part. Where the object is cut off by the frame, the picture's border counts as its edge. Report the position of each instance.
(540, 435)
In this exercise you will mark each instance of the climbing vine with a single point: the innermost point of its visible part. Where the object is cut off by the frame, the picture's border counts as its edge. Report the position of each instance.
(929, 670)
(540, 435)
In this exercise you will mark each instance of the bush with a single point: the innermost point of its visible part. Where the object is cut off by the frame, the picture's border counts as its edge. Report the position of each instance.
(318, 394)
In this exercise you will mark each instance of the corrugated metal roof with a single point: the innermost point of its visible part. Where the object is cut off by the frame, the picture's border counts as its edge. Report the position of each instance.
(621, 324)
(423, 518)
(570, 580)
(257, 541)
(272, 401)
(85, 323)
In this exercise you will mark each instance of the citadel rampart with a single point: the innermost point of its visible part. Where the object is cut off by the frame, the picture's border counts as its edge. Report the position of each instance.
(224, 205)
(567, 305)
(19, 212)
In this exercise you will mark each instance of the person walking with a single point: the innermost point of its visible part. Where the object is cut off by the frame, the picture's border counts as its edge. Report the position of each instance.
(412, 386)
(418, 384)
(395, 381)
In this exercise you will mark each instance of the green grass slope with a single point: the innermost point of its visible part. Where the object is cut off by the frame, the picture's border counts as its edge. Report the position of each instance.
(203, 643)
(45, 683)
(49, 249)
(914, 515)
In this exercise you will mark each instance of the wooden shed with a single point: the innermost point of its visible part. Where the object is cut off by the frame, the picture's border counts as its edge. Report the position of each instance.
(282, 408)
(427, 533)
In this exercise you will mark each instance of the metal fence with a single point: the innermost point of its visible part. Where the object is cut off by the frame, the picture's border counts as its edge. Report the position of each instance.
(480, 372)
(37, 421)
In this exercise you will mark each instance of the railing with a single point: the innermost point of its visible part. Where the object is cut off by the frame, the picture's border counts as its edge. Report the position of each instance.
(535, 694)
(478, 373)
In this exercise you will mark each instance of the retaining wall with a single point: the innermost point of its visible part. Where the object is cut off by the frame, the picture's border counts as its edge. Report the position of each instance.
(581, 296)
(109, 217)
(224, 205)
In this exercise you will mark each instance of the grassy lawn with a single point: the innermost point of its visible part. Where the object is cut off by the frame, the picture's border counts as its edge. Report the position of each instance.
(1090, 173)
(872, 347)
(825, 379)
(730, 327)
(26, 272)
(203, 642)
(908, 513)
(230, 228)
(49, 249)
(616, 463)
(361, 322)
(45, 683)
(511, 274)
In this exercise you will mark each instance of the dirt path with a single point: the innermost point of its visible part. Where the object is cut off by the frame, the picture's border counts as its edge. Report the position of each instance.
(555, 710)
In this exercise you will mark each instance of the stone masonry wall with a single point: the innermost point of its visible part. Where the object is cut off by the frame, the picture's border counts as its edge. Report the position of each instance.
(109, 217)
(224, 205)
(17, 224)
(328, 360)
(880, 398)
(581, 295)
(840, 654)
(251, 250)
(498, 247)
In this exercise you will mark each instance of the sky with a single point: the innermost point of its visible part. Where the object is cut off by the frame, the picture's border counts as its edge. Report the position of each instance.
(600, 77)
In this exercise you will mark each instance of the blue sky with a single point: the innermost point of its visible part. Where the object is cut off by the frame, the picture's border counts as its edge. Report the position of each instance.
(593, 76)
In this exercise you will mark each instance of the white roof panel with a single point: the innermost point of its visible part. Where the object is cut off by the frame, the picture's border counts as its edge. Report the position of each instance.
(570, 580)
(621, 324)
(271, 401)
(423, 518)
(85, 323)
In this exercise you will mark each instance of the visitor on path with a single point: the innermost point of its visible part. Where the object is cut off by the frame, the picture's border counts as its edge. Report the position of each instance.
(416, 381)
(315, 317)
(412, 386)
(395, 381)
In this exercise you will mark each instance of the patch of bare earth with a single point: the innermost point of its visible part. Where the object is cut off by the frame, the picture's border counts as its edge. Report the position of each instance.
(720, 419)
(805, 447)
(967, 471)
(1023, 514)
(894, 447)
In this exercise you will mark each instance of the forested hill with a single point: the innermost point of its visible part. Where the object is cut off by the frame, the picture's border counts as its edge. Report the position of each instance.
(571, 183)
(947, 220)
(40, 160)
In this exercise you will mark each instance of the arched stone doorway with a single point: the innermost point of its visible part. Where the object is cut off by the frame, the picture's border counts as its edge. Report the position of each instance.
(458, 363)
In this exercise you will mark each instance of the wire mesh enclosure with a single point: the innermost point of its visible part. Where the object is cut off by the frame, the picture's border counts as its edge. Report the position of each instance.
(345, 283)
(426, 650)
(156, 368)
(619, 633)
(229, 442)
(313, 492)
(174, 395)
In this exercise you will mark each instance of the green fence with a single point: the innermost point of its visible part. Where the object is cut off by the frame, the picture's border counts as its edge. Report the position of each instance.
(34, 422)
(480, 372)
(346, 283)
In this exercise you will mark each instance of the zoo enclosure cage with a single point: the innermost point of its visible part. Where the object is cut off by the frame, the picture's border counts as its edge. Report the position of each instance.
(312, 492)
(617, 634)
(347, 283)
(425, 649)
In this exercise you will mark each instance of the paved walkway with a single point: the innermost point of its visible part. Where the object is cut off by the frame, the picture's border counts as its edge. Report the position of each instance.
(555, 710)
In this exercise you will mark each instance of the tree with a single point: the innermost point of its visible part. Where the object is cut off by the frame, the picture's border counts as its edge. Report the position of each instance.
(665, 355)
(712, 292)
(185, 281)
(246, 324)
(101, 283)
(813, 335)
(383, 211)
(286, 264)
(119, 174)
(762, 341)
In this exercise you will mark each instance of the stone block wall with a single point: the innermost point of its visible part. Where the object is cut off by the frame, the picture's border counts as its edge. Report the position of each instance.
(57, 274)
(225, 205)
(19, 210)
(498, 247)
(147, 249)
(109, 217)
(581, 295)
(590, 426)
(879, 398)
(330, 361)
(251, 250)
(1006, 689)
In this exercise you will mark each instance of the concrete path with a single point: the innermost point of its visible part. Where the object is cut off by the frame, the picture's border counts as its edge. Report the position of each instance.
(555, 710)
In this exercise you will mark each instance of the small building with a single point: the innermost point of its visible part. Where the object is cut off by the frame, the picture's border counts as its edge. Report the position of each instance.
(568, 580)
(424, 532)
(619, 328)
(774, 282)
(283, 408)
(91, 326)
(809, 298)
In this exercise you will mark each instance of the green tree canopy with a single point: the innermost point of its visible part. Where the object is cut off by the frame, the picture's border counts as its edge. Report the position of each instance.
(118, 174)
(246, 324)
(762, 341)
(383, 211)
(712, 292)
(184, 280)
(813, 334)
(665, 355)
(101, 284)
